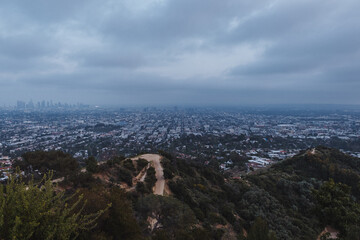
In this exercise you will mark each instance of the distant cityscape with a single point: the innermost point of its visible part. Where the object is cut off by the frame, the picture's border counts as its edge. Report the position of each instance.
(211, 136)
(30, 105)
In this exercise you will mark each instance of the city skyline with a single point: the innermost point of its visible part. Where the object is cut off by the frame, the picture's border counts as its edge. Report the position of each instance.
(48, 103)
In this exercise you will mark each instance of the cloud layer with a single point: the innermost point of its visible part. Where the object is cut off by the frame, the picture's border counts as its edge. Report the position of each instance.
(192, 52)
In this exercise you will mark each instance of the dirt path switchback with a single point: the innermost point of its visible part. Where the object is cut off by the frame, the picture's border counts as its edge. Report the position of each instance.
(155, 160)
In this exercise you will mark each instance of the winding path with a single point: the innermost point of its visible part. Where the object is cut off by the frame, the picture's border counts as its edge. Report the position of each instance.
(155, 160)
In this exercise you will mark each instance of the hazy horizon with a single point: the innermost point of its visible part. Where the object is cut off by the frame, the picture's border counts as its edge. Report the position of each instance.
(180, 52)
(248, 107)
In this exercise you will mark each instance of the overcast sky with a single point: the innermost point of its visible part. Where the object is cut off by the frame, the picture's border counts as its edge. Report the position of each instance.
(183, 52)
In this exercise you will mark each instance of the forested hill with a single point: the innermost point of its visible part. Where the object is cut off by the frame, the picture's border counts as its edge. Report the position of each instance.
(323, 163)
(294, 199)
(317, 187)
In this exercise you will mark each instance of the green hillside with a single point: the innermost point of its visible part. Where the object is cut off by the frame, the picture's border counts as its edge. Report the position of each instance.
(294, 199)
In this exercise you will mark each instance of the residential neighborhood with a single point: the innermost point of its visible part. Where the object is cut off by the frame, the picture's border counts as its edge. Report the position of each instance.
(205, 134)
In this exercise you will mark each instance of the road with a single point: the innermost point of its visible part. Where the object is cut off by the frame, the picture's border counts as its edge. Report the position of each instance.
(160, 181)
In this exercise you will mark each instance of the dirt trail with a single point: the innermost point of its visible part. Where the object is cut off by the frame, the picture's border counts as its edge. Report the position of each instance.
(155, 160)
(58, 180)
(313, 151)
(333, 233)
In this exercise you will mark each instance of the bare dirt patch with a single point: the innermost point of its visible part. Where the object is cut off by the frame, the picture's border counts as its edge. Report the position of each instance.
(154, 159)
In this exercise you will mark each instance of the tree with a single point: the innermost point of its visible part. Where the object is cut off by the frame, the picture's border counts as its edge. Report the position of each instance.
(37, 211)
(150, 178)
(122, 223)
(141, 163)
(128, 164)
(260, 231)
(335, 206)
(61, 163)
(353, 233)
(91, 165)
(140, 188)
(118, 222)
(168, 213)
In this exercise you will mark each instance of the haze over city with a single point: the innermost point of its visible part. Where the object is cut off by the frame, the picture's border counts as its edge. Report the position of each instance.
(196, 52)
(180, 119)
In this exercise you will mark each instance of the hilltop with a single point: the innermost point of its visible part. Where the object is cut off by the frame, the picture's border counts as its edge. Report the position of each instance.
(163, 197)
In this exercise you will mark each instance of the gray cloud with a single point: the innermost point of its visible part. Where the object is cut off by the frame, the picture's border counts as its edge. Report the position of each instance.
(180, 52)
(111, 59)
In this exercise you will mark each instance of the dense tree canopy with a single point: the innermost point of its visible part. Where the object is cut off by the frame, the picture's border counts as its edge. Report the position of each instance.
(290, 200)
(91, 165)
(336, 207)
(61, 163)
(37, 211)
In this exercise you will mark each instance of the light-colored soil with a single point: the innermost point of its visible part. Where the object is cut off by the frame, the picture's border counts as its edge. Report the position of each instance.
(58, 180)
(154, 159)
(333, 232)
(313, 151)
(102, 177)
(141, 176)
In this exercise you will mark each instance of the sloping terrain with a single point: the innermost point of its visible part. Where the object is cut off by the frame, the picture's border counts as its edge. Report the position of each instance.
(154, 159)
(294, 199)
